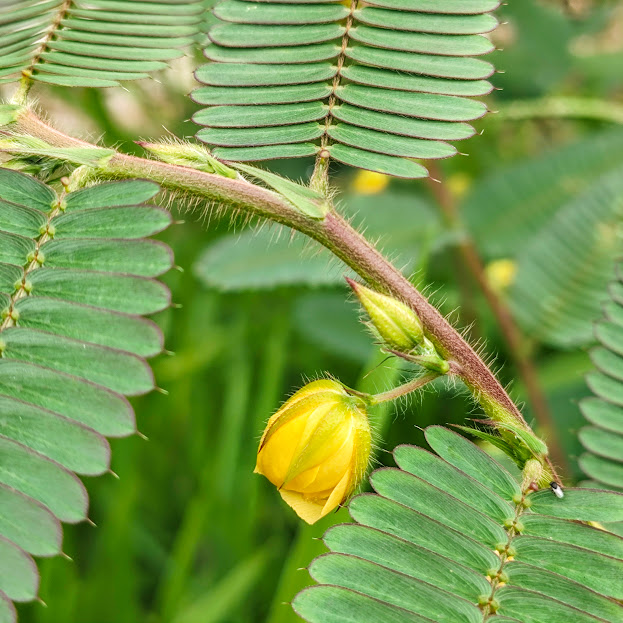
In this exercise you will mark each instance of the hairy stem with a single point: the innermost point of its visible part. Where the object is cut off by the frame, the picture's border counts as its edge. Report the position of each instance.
(508, 327)
(403, 390)
(334, 232)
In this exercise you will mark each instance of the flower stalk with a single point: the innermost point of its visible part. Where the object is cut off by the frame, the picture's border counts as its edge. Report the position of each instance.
(402, 390)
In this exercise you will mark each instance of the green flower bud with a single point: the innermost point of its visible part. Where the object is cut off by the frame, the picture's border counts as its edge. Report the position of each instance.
(396, 324)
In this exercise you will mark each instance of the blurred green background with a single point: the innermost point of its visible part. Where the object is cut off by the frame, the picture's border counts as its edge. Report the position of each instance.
(188, 534)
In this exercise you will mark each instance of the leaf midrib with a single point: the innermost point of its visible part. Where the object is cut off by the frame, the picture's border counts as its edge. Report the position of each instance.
(325, 139)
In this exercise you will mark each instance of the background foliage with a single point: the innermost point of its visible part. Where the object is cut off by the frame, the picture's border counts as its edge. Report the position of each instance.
(187, 524)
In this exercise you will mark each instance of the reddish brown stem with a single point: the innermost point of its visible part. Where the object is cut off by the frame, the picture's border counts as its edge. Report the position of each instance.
(508, 327)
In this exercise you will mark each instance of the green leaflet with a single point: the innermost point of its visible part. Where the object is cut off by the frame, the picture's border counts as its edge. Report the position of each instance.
(83, 450)
(338, 605)
(120, 222)
(92, 405)
(418, 552)
(535, 608)
(275, 66)
(38, 531)
(117, 292)
(419, 529)
(22, 583)
(603, 440)
(393, 588)
(558, 587)
(84, 322)
(595, 571)
(567, 531)
(423, 497)
(441, 474)
(98, 46)
(43, 481)
(406, 558)
(77, 276)
(467, 457)
(116, 370)
(132, 192)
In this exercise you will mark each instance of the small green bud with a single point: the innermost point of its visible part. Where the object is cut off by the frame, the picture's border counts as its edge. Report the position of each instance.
(13, 314)
(397, 324)
(188, 155)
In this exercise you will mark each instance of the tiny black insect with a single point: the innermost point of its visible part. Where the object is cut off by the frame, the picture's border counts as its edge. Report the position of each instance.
(557, 489)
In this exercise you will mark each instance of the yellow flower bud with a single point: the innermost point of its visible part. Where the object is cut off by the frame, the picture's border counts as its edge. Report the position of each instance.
(397, 324)
(315, 449)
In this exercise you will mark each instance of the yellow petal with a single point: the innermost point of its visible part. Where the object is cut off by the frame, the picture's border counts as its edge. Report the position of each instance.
(304, 483)
(274, 459)
(298, 405)
(308, 510)
(338, 495)
(323, 437)
(328, 473)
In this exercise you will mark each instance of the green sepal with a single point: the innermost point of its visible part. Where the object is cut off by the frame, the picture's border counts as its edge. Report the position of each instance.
(494, 440)
(536, 446)
(305, 199)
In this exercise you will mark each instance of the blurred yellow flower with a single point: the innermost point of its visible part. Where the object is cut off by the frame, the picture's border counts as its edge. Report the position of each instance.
(501, 274)
(370, 182)
(316, 448)
(458, 184)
